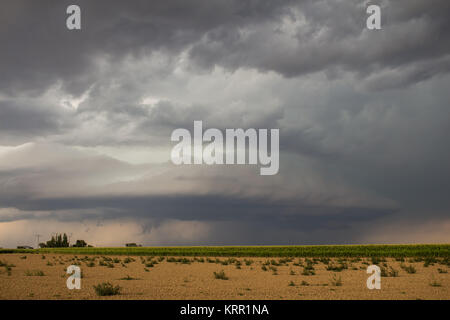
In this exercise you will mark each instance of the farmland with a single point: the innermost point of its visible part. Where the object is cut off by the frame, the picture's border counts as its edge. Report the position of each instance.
(229, 272)
(43, 276)
(393, 251)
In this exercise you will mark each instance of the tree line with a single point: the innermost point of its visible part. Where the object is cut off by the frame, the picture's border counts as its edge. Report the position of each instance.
(61, 241)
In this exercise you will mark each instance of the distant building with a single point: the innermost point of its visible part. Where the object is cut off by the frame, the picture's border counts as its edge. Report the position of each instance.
(24, 247)
(132, 245)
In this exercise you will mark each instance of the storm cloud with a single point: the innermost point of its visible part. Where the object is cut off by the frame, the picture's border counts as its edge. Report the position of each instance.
(86, 117)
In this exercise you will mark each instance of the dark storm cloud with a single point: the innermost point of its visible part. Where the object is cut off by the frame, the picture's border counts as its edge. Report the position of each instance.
(331, 35)
(23, 119)
(37, 48)
(211, 208)
(363, 115)
(289, 37)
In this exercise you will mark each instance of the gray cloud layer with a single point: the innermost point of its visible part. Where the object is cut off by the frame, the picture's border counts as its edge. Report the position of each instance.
(86, 116)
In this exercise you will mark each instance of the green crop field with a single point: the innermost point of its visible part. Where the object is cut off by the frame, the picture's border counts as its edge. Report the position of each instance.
(422, 250)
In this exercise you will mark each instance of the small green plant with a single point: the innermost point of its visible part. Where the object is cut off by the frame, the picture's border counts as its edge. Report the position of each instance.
(304, 283)
(429, 261)
(291, 284)
(23, 257)
(409, 269)
(435, 283)
(336, 268)
(220, 275)
(336, 281)
(308, 272)
(264, 268)
(106, 289)
(442, 270)
(391, 272)
(34, 273)
(128, 278)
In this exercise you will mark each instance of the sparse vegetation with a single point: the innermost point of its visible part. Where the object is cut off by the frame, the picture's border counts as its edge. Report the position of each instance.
(435, 283)
(381, 251)
(391, 272)
(128, 278)
(34, 273)
(106, 289)
(220, 275)
(409, 269)
(336, 281)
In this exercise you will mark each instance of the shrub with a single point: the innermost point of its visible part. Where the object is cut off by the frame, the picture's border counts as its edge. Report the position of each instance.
(308, 272)
(336, 268)
(336, 281)
(128, 278)
(220, 275)
(435, 283)
(37, 273)
(106, 289)
(408, 269)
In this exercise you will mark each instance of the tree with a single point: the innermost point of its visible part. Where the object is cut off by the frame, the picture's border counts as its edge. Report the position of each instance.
(65, 242)
(57, 241)
(80, 243)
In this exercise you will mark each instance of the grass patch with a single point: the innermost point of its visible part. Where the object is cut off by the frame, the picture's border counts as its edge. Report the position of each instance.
(381, 251)
(34, 273)
(409, 269)
(336, 281)
(128, 278)
(106, 289)
(435, 283)
(220, 275)
(391, 272)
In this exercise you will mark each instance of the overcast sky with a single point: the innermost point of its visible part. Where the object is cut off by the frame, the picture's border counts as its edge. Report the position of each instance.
(86, 117)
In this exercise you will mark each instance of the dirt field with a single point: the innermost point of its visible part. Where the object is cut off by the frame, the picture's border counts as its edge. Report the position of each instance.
(193, 278)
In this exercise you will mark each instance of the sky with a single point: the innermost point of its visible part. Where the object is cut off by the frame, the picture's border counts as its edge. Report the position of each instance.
(86, 118)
